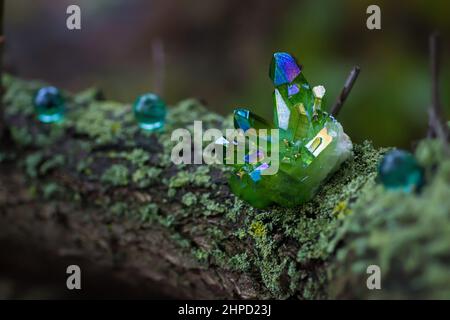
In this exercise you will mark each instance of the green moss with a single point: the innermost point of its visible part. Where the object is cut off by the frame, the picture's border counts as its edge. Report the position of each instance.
(258, 229)
(239, 262)
(171, 192)
(201, 177)
(271, 267)
(52, 163)
(18, 96)
(180, 240)
(149, 212)
(87, 96)
(119, 208)
(189, 199)
(200, 254)
(137, 157)
(101, 121)
(166, 220)
(116, 175)
(181, 179)
(211, 207)
(219, 257)
(83, 166)
(145, 176)
(32, 163)
(51, 135)
(350, 222)
(407, 235)
(21, 136)
(51, 190)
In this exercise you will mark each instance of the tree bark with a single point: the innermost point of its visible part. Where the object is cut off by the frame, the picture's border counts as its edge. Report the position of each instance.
(97, 192)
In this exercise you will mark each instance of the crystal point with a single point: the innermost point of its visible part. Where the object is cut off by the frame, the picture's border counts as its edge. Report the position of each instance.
(283, 68)
(245, 119)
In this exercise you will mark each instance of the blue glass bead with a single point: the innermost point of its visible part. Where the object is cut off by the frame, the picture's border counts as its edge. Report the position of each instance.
(150, 112)
(399, 170)
(49, 105)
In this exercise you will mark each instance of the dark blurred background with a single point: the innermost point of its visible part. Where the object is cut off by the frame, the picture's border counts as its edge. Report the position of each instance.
(219, 51)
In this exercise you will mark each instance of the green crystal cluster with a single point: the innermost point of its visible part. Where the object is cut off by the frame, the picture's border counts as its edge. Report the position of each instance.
(311, 143)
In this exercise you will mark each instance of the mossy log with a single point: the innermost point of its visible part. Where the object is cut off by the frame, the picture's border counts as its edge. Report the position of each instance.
(96, 191)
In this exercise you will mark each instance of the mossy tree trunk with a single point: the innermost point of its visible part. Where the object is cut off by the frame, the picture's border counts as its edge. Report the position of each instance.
(97, 192)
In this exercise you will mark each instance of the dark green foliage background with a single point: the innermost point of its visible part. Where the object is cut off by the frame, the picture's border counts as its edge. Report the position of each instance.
(220, 52)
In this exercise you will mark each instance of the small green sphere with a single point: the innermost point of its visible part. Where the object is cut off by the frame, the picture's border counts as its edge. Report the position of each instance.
(49, 105)
(150, 112)
(399, 170)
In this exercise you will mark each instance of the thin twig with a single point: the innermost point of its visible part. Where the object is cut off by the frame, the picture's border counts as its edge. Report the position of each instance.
(437, 126)
(2, 44)
(345, 91)
(158, 66)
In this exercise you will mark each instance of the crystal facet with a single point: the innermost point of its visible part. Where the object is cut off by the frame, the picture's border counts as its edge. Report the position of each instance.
(283, 68)
(49, 105)
(150, 112)
(311, 143)
(399, 170)
(244, 119)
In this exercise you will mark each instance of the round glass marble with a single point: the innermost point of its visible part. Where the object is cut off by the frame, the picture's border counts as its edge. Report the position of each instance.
(150, 112)
(399, 170)
(49, 105)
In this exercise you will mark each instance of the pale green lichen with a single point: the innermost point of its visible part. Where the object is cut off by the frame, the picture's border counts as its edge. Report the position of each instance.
(21, 136)
(200, 254)
(189, 199)
(257, 229)
(52, 163)
(116, 175)
(144, 176)
(239, 262)
(211, 207)
(51, 190)
(149, 212)
(201, 177)
(288, 251)
(32, 163)
(137, 156)
(181, 179)
(407, 235)
(119, 208)
(103, 121)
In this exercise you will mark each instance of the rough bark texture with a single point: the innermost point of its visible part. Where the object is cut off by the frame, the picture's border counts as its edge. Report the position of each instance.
(97, 192)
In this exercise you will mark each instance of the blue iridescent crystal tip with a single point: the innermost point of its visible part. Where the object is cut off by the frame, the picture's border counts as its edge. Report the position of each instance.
(283, 68)
(241, 119)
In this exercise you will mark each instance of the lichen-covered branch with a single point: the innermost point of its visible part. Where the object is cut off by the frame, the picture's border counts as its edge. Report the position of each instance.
(98, 187)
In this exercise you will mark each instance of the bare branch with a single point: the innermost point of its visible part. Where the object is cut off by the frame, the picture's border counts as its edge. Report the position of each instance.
(158, 58)
(437, 126)
(345, 91)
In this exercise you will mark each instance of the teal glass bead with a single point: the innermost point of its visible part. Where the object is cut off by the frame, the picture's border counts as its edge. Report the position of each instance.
(399, 170)
(150, 112)
(49, 105)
